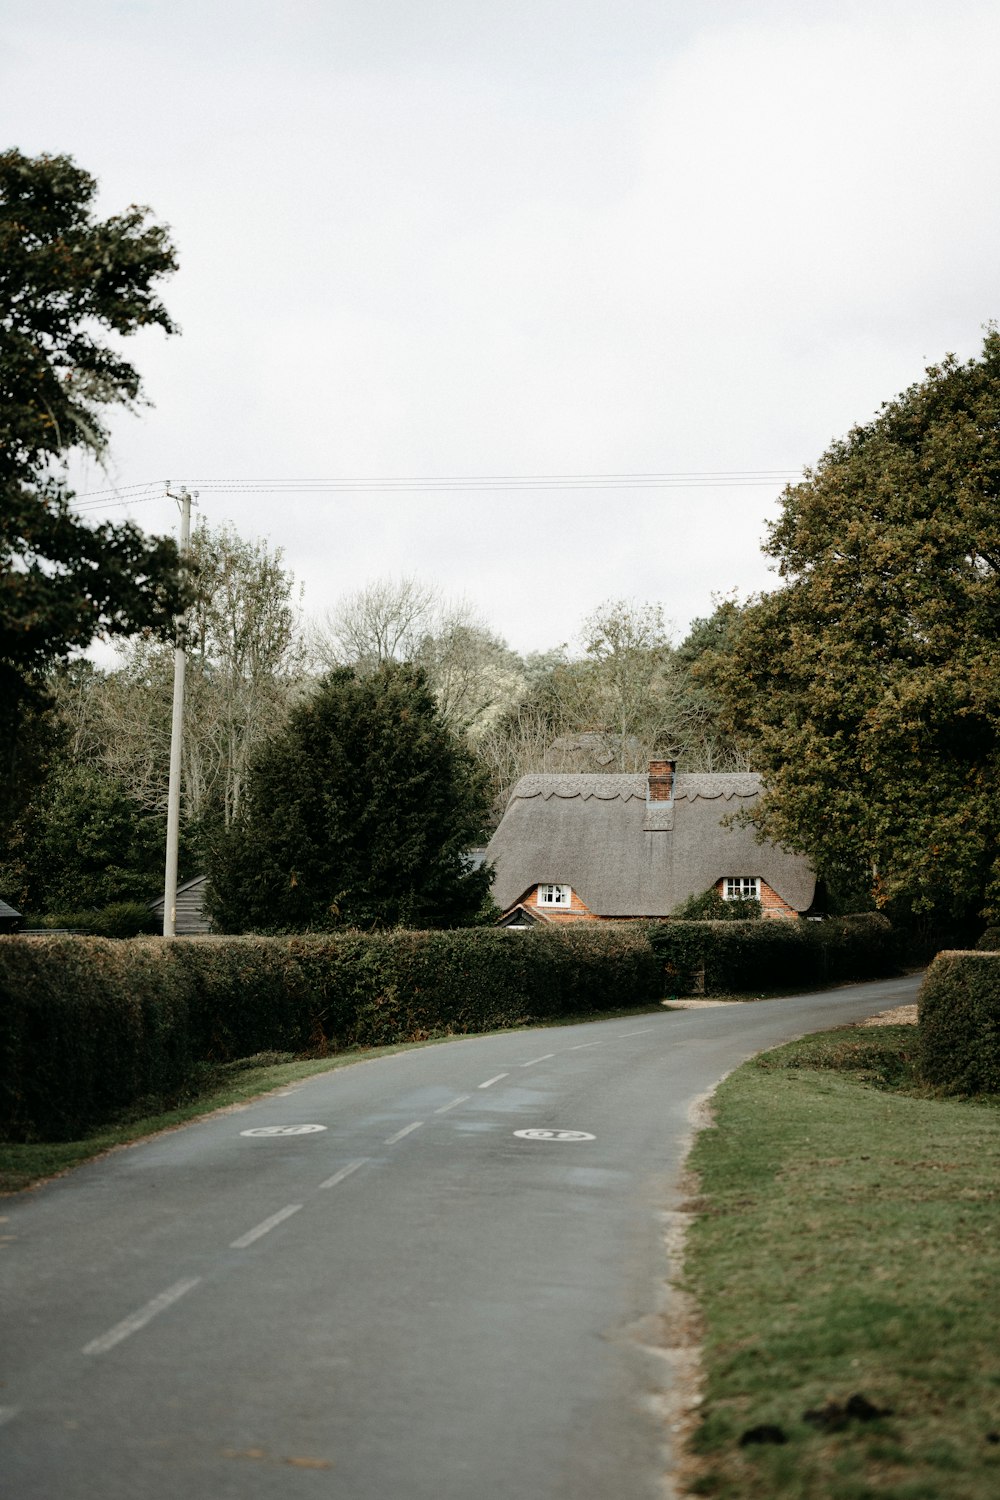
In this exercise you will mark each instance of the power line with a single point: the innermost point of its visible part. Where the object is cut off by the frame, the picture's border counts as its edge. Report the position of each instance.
(137, 494)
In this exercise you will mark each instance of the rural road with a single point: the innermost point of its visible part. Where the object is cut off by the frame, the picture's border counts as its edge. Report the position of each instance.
(410, 1301)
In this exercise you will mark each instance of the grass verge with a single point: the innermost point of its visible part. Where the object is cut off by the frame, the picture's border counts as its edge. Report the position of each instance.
(847, 1243)
(24, 1165)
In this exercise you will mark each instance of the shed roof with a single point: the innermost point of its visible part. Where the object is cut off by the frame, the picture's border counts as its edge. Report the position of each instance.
(628, 857)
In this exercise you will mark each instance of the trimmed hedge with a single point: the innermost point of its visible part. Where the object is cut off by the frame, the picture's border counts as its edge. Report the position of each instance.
(990, 940)
(959, 1023)
(717, 958)
(91, 1027)
(88, 1026)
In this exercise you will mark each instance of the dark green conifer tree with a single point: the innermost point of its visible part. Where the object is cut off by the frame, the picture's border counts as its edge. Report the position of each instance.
(359, 815)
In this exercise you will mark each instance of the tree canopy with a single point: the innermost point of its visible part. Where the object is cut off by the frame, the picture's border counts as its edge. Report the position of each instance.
(871, 680)
(71, 286)
(472, 673)
(360, 814)
(245, 661)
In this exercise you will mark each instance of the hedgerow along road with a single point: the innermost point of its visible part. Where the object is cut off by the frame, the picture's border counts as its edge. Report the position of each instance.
(438, 1275)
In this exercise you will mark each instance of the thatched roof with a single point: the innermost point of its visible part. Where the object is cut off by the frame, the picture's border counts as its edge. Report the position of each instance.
(627, 857)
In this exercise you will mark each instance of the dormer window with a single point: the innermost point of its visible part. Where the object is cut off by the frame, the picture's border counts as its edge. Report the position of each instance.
(741, 888)
(554, 895)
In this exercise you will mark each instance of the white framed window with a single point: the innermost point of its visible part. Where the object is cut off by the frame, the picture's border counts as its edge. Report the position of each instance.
(741, 888)
(554, 895)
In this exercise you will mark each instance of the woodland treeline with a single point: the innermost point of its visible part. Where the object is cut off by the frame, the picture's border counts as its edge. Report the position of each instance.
(89, 825)
(865, 688)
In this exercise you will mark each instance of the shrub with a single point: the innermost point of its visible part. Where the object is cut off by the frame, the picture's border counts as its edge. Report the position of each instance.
(990, 941)
(712, 906)
(88, 1027)
(723, 957)
(121, 919)
(959, 1016)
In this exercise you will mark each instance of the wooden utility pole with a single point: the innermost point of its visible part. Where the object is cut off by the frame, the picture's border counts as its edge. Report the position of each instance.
(176, 743)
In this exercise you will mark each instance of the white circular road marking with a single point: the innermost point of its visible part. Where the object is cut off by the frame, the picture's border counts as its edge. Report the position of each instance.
(283, 1130)
(555, 1135)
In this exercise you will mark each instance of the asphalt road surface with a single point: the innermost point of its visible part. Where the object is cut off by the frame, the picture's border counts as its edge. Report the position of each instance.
(410, 1300)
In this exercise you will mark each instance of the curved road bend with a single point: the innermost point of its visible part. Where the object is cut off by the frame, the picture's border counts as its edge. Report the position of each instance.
(412, 1303)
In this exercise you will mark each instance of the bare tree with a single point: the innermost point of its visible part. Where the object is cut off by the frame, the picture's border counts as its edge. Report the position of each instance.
(471, 671)
(384, 621)
(515, 745)
(245, 665)
(630, 698)
(250, 652)
(627, 657)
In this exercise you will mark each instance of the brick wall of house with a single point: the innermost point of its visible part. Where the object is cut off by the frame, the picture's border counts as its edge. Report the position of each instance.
(771, 904)
(574, 912)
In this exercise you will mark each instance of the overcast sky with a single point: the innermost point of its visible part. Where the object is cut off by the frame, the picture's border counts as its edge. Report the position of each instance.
(524, 238)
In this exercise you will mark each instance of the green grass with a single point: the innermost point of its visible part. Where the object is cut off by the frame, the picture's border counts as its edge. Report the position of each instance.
(848, 1241)
(24, 1165)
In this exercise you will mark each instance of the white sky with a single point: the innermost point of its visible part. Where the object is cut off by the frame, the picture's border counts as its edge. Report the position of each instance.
(525, 237)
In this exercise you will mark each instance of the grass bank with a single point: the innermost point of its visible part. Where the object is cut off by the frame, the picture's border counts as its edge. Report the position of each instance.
(847, 1244)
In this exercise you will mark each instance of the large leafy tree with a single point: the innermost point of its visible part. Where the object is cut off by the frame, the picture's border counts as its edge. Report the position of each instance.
(91, 844)
(71, 286)
(871, 680)
(359, 814)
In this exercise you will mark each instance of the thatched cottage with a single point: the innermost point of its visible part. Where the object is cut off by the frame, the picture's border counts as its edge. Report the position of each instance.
(604, 846)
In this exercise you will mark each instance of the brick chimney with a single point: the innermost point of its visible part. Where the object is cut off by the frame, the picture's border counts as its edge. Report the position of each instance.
(661, 780)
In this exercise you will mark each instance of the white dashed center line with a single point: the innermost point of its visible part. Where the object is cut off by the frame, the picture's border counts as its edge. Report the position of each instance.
(139, 1319)
(544, 1058)
(405, 1131)
(265, 1228)
(580, 1045)
(453, 1105)
(352, 1166)
(644, 1032)
(491, 1081)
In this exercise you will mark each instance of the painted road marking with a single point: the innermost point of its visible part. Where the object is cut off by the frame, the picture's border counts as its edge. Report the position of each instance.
(644, 1032)
(352, 1166)
(453, 1105)
(265, 1228)
(555, 1135)
(491, 1081)
(544, 1058)
(405, 1131)
(580, 1045)
(139, 1319)
(283, 1130)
